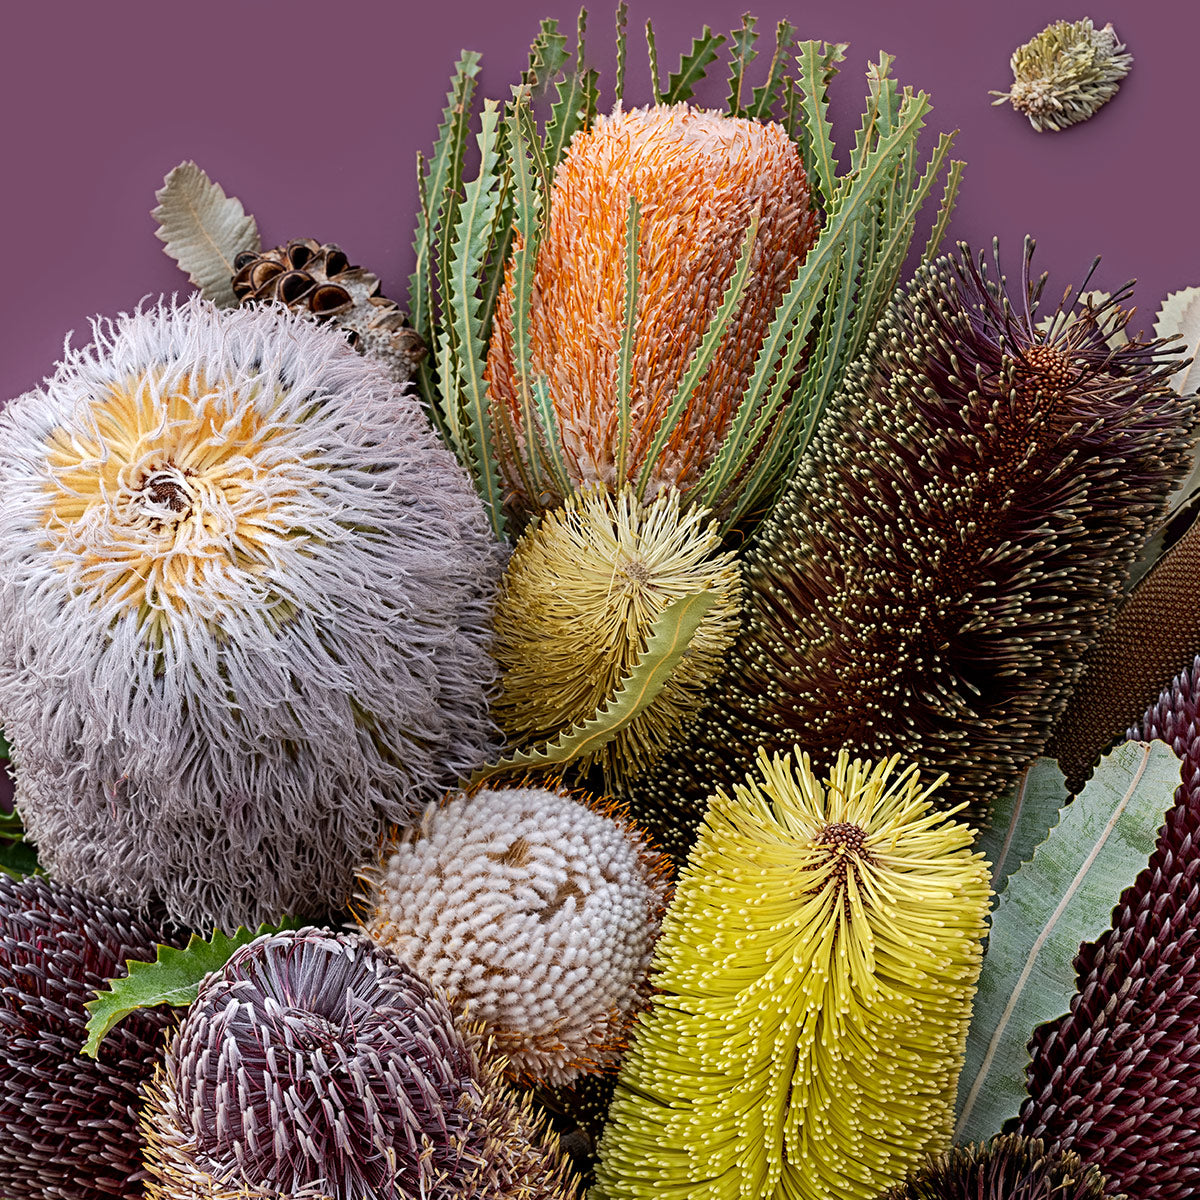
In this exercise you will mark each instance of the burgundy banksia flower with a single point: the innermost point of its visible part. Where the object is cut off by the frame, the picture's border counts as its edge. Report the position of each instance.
(316, 1065)
(1118, 1078)
(1006, 1168)
(952, 543)
(69, 1124)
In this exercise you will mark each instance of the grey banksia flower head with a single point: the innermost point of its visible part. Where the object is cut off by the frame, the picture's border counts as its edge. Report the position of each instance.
(316, 1065)
(69, 1124)
(244, 613)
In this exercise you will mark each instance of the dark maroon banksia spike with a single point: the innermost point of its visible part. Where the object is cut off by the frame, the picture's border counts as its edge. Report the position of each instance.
(1006, 1168)
(315, 1064)
(956, 536)
(69, 1124)
(1117, 1079)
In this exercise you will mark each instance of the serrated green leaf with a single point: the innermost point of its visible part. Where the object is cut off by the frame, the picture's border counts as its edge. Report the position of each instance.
(628, 334)
(765, 98)
(652, 54)
(741, 54)
(816, 61)
(1062, 898)
(173, 978)
(1021, 820)
(203, 230)
(945, 211)
(622, 39)
(547, 57)
(693, 66)
(668, 642)
(551, 445)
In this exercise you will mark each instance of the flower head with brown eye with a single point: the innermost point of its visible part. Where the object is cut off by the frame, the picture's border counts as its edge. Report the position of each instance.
(244, 613)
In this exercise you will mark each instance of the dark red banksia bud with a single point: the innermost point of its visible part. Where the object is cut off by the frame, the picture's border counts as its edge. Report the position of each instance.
(1117, 1079)
(316, 1065)
(69, 1124)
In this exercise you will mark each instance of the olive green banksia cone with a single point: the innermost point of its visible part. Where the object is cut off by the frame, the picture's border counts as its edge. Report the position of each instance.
(815, 975)
(951, 545)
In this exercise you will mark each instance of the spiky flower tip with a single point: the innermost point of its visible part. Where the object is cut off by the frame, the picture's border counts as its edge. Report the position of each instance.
(1065, 73)
(244, 613)
(698, 177)
(1118, 1078)
(1006, 1168)
(317, 1065)
(577, 605)
(906, 593)
(534, 911)
(814, 982)
(69, 1124)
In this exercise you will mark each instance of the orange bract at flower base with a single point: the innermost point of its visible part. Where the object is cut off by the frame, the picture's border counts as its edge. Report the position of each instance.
(697, 177)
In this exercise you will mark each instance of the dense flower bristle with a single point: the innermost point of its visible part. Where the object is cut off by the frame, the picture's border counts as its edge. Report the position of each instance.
(577, 605)
(907, 592)
(698, 177)
(814, 981)
(1118, 1078)
(244, 602)
(315, 1064)
(69, 1124)
(533, 911)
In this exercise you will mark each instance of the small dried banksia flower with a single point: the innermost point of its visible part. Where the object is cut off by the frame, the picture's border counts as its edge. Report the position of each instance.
(1006, 1168)
(577, 605)
(69, 1124)
(245, 599)
(813, 991)
(535, 912)
(1117, 1079)
(1065, 73)
(316, 1065)
(698, 176)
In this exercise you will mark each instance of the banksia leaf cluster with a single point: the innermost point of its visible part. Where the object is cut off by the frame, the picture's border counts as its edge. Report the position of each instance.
(577, 603)
(533, 911)
(1117, 1079)
(244, 613)
(316, 1065)
(1006, 1168)
(69, 1124)
(815, 975)
(1065, 73)
(907, 592)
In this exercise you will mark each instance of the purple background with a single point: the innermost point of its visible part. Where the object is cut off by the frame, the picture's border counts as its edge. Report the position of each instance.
(313, 113)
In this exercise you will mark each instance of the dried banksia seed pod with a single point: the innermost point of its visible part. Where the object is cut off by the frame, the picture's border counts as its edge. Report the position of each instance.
(577, 604)
(1007, 1168)
(316, 1065)
(1065, 73)
(952, 543)
(320, 280)
(813, 990)
(533, 910)
(1118, 1078)
(69, 1124)
(698, 177)
(244, 613)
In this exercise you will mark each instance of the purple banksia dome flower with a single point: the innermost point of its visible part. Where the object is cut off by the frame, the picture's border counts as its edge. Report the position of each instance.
(534, 911)
(1117, 1079)
(69, 1124)
(244, 607)
(317, 1065)
(906, 594)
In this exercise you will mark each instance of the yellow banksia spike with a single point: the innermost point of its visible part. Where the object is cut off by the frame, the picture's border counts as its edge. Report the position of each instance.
(815, 977)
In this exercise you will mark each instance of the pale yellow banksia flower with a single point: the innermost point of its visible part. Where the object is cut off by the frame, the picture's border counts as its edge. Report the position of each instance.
(698, 176)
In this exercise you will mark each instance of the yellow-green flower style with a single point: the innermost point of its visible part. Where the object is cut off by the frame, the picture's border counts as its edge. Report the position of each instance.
(815, 977)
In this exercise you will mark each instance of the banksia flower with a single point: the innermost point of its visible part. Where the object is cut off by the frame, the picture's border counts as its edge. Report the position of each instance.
(1007, 1168)
(533, 911)
(907, 592)
(316, 1065)
(698, 177)
(70, 1124)
(577, 604)
(244, 606)
(815, 975)
(1065, 73)
(1118, 1078)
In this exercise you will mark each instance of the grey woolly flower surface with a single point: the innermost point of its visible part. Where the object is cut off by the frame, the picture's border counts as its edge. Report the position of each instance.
(244, 607)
